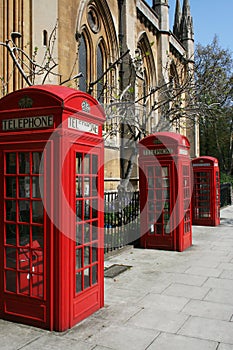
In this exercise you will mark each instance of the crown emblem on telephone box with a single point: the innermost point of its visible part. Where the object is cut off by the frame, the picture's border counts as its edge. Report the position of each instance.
(25, 102)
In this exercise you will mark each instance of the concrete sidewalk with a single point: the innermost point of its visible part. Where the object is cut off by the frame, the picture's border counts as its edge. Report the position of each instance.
(166, 300)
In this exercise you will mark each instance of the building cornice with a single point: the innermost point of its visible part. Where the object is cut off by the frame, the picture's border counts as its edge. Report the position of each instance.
(177, 46)
(147, 16)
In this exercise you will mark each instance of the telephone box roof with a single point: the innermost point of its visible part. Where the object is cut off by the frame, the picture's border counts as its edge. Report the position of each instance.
(38, 96)
(166, 137)
(203, 159)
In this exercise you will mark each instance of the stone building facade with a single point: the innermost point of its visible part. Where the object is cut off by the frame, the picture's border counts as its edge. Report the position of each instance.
(125, 51)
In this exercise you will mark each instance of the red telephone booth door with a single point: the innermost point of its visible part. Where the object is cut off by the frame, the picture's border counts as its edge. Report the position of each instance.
(23, 264)
(206, 193)
(158, 207)
(202, 206)
(88, 245)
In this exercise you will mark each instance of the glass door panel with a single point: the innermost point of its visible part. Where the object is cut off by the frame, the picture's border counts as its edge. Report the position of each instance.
(23, 225)
(187, 198)
(86, 266)
(217, 179)
(202, 203)
(158, 202)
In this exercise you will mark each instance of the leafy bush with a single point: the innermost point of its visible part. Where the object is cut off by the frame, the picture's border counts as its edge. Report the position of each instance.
(224, 178)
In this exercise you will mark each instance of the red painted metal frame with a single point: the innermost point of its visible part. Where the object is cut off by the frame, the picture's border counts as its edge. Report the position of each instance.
(171, 151)
(18, 306)
(206, 191)
(63, 308)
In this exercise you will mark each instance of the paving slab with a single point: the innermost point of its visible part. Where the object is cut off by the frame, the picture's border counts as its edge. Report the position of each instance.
(162, 320)
(14, 336)
(163, 302)
(87, 328)
(186, 278)
(208, 309)
(226, 266)
(117, 314)
(123, 295)
(203, 328)
(225, 347)
(227, 274)
(187, 291)
(217, 283)
(204, 271)
(220, 295)
(166, 341)
(56, 342)
(121, 337)
(97, 347)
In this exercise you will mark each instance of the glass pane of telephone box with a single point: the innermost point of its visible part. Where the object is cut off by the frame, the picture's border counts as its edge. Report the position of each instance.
(150, 182)
(78, 163)
(86, 169)
(24, 186)
(38, 235)
(79, 234)
(94, 274)
(24, 163)
(24, 282)
(37, 285)
(94, 205)
(79, 210)
(150, 172)
(79, 281)
(11, 163)
(11, 257)
(79, 190)
(94, 187)
(87, 232)
(37, 212)
(11, 187)
(10, 280)
(24, 235)
(10, 210)
(87, 250)
(94, 253)
(86, 278)
(36, 187)
(11, 234)
(150, 194)
(24, 211)
(87, 209)
(86, 186)
(94, 164)
(78, 258)
(37, 165)
(94, 230)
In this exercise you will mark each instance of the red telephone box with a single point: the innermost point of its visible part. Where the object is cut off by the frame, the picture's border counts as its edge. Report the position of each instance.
(51, 203)
(206, 192)
(165, 191)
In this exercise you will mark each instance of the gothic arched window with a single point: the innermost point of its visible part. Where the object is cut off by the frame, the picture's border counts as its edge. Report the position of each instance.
(100, 70)
(83, 63)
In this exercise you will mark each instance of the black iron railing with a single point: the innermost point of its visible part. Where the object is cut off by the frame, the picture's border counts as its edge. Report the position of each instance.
(121, 219)
(122, 216)
(225, 194)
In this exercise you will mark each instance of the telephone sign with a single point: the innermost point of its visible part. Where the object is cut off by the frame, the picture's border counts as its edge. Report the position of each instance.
(27, 123)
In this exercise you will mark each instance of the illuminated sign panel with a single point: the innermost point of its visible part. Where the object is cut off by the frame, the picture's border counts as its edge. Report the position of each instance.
(27, 123)
(81, 125)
